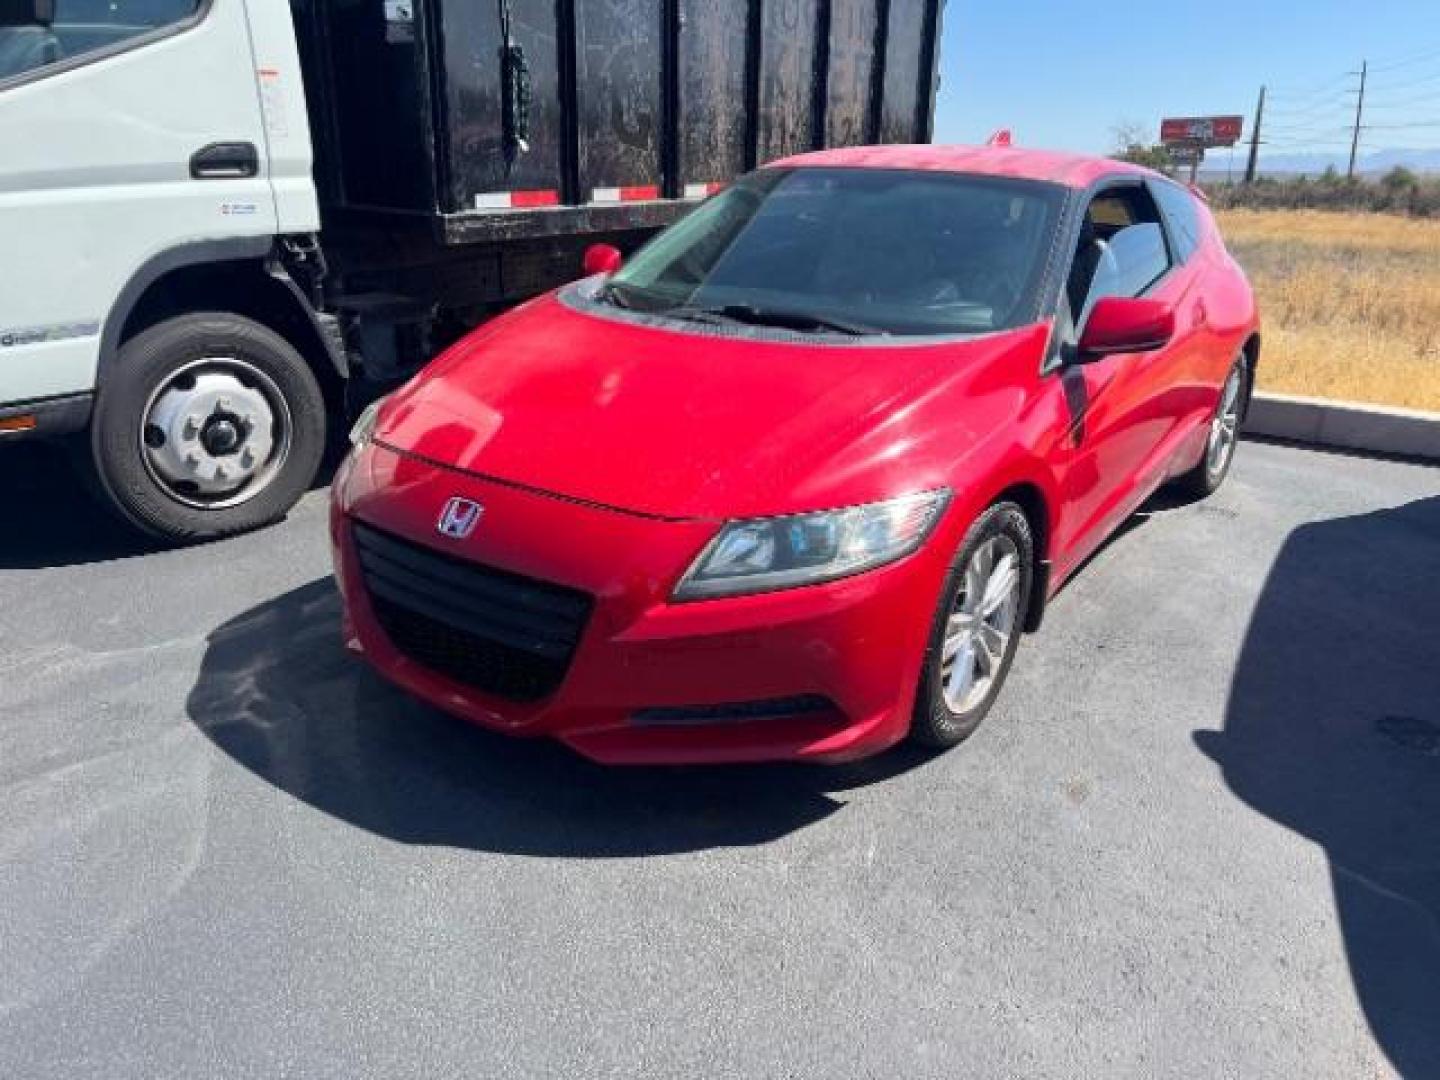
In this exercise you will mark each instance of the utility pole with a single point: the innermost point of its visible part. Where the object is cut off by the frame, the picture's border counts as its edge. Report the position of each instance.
(1255, 139)
(1359, 113)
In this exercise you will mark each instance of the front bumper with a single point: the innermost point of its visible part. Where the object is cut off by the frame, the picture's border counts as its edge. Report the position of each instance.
(825, 672)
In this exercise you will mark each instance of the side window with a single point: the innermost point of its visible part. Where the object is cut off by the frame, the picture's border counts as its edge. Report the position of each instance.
(1121, 251)
(1135, 260)
(1182, 215)
(35, 34)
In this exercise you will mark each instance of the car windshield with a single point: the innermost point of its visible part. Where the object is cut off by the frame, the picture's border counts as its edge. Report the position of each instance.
(853, 250)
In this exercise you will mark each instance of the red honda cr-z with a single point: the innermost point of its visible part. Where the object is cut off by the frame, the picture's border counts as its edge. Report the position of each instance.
(791, 482)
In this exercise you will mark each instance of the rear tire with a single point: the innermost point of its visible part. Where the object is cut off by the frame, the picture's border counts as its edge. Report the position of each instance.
(978, 622)
(208, 424)
(1224, 435)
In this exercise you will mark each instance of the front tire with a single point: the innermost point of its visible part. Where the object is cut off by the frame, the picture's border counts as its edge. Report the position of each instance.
(210, 424)
(976, 627)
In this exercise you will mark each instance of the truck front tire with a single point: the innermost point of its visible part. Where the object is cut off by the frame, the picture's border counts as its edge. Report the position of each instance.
(207, 424)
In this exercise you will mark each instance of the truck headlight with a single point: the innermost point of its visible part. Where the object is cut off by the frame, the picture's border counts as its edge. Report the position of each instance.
(364, 426)
(761, 554)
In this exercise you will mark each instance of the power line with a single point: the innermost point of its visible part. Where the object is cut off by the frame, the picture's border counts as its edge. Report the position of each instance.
(1336, 148)
(1408, 84)
(1315, 131)
(1414, 58)
(1329, 101)
(1316, 89)
(1319, 120)
(1399, 127)
(1308, 123)
(1313, 117)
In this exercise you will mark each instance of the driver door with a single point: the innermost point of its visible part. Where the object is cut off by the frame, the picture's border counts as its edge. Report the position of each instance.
(1116, 403)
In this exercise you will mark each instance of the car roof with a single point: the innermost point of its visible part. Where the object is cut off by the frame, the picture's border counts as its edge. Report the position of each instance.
(1071, 170)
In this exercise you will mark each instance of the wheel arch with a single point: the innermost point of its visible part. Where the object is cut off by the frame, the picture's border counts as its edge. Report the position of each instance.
(238, 275)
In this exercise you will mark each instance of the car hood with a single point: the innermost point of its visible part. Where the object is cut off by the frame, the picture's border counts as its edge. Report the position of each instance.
(678, 424)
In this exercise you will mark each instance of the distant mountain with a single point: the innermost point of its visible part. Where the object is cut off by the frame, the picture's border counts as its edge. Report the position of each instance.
(1377, 161)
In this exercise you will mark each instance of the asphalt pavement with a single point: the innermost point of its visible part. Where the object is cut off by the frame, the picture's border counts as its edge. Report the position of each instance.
(1196, 837)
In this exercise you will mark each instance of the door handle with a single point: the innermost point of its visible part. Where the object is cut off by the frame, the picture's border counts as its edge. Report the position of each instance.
(225, 161)
(1201, 315)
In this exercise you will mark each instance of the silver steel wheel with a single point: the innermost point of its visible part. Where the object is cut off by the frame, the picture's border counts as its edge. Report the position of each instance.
(1225, 427)
(215, 433)
(980, 624)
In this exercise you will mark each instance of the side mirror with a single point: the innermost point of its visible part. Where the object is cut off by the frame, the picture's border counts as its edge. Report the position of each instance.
(1119, 324)
(27, 12)
(601, 259)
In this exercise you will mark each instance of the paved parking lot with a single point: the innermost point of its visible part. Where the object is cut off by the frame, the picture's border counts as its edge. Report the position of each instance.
(1197, 837)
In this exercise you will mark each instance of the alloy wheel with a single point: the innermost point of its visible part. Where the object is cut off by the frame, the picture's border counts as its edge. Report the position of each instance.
(980, 625)
(1225, 427)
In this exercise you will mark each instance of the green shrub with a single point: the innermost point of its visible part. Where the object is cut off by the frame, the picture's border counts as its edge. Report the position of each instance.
(1400, 191)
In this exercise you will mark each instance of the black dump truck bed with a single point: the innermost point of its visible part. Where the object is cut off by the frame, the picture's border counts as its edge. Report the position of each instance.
(499, 120)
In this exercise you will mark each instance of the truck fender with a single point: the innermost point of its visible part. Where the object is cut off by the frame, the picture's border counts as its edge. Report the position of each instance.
(210, 252)
(326, 327)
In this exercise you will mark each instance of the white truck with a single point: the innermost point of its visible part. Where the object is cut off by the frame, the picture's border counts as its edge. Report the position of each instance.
(220, 217)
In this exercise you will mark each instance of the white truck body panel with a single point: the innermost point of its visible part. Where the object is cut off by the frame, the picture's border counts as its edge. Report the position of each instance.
(95, 178)
(289, 152)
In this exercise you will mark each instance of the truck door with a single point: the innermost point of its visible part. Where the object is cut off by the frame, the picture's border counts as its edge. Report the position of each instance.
(131, 128)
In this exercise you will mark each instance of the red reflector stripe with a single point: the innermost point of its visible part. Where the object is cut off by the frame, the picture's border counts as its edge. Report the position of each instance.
(534, 198)
(634, 193)
(515, 200)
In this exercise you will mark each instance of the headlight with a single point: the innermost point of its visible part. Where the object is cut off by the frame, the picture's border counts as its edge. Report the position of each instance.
(802, 549)
(364, 425)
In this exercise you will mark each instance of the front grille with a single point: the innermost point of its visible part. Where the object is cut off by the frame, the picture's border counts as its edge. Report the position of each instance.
(507, 635)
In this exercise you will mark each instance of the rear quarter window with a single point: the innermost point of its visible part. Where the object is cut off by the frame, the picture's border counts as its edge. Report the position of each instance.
(1182, 218)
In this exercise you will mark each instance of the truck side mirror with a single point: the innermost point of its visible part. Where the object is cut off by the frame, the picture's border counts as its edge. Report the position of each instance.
(27, 12)
(601, 259)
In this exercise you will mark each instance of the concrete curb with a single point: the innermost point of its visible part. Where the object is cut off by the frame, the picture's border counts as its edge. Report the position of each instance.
(1346, 424)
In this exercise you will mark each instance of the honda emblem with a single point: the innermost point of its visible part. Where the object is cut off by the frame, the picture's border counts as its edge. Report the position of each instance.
(459, 518)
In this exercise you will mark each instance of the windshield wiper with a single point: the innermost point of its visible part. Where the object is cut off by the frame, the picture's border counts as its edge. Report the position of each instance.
(611, 295)
(794, 320)
(690, 313)
(754, 315)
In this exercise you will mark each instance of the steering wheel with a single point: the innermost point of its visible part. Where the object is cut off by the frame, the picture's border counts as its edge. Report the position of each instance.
(1000, 291)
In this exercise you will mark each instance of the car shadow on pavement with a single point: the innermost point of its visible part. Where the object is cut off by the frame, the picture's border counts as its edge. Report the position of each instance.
(1333, 730)
(279, 694)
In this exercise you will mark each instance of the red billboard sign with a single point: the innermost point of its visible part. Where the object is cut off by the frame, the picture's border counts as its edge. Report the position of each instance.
(1201, 130)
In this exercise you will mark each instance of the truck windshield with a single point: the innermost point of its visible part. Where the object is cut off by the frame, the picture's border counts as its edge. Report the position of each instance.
(859, 250)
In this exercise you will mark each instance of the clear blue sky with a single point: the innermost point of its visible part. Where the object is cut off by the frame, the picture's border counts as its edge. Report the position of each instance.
(1062, 74)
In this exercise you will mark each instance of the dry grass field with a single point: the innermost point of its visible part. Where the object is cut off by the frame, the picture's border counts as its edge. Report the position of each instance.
(1350, 302)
